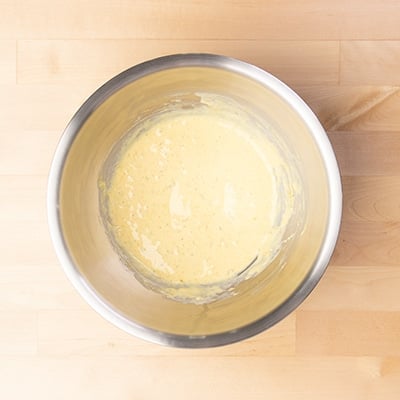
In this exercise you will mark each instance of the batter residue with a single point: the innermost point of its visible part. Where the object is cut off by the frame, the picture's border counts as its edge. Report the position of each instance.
(197, 200)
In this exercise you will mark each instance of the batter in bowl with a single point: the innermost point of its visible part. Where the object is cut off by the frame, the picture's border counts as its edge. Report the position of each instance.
(198, 199)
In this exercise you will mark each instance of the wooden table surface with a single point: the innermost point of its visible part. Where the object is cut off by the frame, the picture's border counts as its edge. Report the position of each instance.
(343, 58)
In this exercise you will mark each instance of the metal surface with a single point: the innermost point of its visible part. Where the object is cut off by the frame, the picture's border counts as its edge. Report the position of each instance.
(82, 246)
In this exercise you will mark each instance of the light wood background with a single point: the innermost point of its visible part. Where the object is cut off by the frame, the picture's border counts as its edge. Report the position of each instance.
(343, 58)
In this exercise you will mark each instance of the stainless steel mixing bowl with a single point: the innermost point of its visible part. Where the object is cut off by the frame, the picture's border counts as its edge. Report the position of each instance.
(90, 261)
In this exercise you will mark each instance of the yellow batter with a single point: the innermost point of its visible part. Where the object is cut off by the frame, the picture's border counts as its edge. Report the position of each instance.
(193, 200)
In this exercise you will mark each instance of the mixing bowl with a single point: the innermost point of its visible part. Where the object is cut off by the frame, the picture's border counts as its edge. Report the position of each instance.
(91, 262)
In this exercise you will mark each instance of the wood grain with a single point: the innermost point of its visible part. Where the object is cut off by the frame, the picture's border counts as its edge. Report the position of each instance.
(17, 235)
(40, 108)
(8, 59)
(370, 62)
(350, 333)
(348, 108)
(22, 199)
(17, 334)
(367, 153)
(34, 148)
(373, 288)
(380, 115)
(205, 19)
(343, 58)
(26, 287)
(301, 378)
(82, 332)
(65, 61)
(371, 198)
(8, 19)
(366, 243)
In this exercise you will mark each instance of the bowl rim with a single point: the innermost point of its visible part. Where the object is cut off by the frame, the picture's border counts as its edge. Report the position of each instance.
(194, 60)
